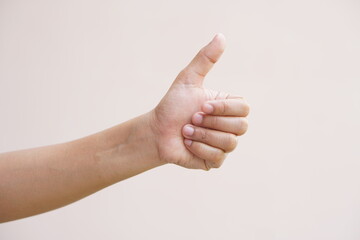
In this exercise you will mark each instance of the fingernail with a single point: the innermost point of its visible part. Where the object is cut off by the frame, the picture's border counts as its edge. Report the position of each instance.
(208, 108)
(197, 118)
(188, 142)
(188, 130)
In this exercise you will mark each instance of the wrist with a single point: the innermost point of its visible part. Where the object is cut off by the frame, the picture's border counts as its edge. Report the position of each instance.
(143, 139)
(127, 149)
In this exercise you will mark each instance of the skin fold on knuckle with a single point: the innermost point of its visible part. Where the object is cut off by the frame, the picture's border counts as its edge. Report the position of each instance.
(202, 134)
(207, 57)
(207, 165)
(212, 121)
(222, 107)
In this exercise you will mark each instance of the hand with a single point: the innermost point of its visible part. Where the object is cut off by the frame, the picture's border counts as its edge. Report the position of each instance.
(196, 127)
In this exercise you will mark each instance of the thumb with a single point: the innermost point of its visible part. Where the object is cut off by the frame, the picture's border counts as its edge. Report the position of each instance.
(195, 72)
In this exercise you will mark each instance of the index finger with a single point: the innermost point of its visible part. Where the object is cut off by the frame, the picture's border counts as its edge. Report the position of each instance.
(227, 107)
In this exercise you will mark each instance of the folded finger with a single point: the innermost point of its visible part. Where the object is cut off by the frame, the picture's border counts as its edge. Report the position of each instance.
(235, 125)
(225, 141)
(212, 156)
(227, 107)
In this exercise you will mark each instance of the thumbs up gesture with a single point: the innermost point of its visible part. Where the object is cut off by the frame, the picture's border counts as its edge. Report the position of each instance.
(196, 127)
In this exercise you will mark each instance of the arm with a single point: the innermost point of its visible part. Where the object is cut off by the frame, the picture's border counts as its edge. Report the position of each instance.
(192, 126)
(41, 179)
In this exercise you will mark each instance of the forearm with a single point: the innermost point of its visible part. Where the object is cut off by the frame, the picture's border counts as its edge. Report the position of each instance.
(41, 179)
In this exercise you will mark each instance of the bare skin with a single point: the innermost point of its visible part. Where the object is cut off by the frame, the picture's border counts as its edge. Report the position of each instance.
(192, 126)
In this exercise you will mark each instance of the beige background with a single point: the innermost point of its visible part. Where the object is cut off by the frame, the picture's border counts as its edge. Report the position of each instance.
(72, 68)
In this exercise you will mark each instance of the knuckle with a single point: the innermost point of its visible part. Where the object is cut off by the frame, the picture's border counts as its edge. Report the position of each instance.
(207, 165)
(203, 134)
(202, 53)
(217, 159)
(243, 126)
(224, 106)
(216, 165)
(213, 121)
(221, 107)
(184, 74)
(231, 142)
(246, 108)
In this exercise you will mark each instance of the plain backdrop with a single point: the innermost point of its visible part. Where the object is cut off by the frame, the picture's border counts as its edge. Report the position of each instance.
(71, 68)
